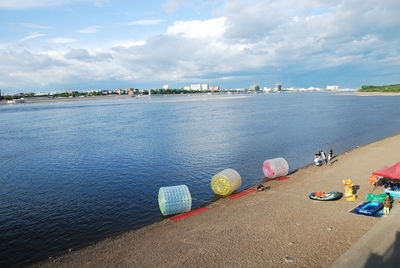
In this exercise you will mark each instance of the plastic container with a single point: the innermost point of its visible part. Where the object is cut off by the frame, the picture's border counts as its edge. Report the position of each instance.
(226, 182)
(274, 168)
(174, 199)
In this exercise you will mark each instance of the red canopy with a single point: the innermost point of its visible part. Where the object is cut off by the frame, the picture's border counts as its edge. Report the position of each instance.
(389, 172)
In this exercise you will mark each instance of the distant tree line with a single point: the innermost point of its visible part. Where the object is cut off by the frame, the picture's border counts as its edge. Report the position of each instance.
(58, 95)
(73, 94)
(387, 88)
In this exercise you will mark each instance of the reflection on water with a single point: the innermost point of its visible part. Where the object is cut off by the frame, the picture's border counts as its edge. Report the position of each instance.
(74, 173)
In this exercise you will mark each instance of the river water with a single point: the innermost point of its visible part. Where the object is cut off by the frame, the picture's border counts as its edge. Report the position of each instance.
(73, 173)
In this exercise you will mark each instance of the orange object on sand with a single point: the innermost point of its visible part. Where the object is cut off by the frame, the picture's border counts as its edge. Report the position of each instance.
(373, 179)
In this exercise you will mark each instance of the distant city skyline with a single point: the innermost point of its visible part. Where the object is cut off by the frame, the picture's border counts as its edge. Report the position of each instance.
(102, 44)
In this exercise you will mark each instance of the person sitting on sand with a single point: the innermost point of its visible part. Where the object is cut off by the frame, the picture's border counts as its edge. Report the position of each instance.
(260, 187)
(317, 160)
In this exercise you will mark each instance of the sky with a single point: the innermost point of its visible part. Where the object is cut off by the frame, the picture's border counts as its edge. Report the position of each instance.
(56, 45)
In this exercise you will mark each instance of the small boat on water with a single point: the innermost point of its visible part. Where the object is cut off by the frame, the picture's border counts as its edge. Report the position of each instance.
(322, 196)
(15, 101)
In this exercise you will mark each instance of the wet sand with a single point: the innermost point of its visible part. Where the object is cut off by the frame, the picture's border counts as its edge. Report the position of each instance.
(280, 227)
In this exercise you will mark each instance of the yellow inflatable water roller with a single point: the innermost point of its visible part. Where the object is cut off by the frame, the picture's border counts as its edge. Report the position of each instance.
(226, 182)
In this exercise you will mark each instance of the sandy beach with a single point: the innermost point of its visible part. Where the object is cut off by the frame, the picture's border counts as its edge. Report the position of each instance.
(369, 94)
(280, 227)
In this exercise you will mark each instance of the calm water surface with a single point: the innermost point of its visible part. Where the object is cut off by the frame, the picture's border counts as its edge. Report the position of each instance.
(73, 173)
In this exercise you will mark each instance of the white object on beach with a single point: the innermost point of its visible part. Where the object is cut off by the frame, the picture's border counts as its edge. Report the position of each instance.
(226, 182)
(274, 168)
(174, 199)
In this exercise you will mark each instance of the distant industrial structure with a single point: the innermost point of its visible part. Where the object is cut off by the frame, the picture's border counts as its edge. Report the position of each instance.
(278, 87)
(332, 87)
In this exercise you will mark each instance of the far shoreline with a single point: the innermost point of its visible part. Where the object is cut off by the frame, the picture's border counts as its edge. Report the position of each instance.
(126, 97)
(208, 96)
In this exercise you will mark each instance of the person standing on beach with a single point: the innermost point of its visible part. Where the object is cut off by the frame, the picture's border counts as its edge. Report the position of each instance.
(323, 155)
(386, 205)
(330, 156)
(373, 181)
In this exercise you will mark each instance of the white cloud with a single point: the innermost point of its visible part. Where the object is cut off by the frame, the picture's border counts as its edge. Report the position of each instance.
(145, 22)
(128, 43)
(198, 29)
(90, 30)
(24, 4)
(32, 36)
(249, 41)
(35, 26)
(61, 40)
(84, 55)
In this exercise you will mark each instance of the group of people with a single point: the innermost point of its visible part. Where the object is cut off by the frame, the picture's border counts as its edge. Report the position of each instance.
(321, 158)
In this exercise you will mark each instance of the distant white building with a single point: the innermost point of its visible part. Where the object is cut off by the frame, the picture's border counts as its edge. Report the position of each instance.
(199, 87)
(214, 88)
(313, 89)
(165, 87)
(41, 94)
(332, 87)
(195, 87)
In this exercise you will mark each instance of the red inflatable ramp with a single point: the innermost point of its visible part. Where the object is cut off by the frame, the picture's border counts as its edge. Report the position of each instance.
(241, 194)
(187, 214)
(283, 178)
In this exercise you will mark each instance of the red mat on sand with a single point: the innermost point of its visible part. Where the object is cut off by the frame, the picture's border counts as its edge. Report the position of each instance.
(283, 178)
(280, 179)
(241, 194)
(187, 214)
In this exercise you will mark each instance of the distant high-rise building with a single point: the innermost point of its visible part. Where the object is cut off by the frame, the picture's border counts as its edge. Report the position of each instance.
(254, 87)
(278, 87)
(165, 87)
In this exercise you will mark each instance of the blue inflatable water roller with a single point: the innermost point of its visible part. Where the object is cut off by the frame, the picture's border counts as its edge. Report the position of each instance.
(174, 199)
(393, 194)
